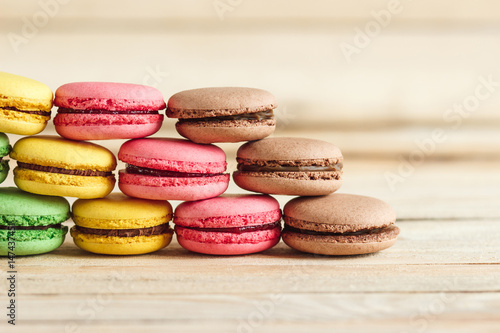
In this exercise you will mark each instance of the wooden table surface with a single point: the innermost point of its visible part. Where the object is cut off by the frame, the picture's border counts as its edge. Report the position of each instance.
(442, 275)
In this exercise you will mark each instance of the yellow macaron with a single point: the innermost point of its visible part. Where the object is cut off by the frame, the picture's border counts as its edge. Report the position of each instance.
(51, 165)
(25, 105)
(121, 225)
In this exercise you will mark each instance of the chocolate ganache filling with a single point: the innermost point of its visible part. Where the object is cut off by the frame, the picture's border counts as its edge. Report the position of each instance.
(165, 173)
(240, 230)
(322, 233)
(151, 231)
(33, 227)
(38, 112)
(66, 110)
(256, 116)
(91, 173)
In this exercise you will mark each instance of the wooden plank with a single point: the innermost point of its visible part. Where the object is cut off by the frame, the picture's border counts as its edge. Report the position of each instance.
(407, 313)
(426, 258)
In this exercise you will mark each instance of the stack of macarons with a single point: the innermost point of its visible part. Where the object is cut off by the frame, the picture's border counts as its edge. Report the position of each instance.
(192, 170)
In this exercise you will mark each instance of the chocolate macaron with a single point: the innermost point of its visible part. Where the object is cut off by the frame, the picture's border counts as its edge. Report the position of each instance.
(223, 114)
(339, 224)
(290, 166)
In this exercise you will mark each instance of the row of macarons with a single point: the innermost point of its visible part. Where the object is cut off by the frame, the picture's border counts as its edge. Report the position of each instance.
(50, 168)
(109, 110)
(163, 168)
(336, 224)
(172, 169)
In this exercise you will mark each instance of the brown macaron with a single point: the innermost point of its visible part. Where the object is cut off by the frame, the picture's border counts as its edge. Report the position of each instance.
(223, 114)
(290, 166)
(339, 224)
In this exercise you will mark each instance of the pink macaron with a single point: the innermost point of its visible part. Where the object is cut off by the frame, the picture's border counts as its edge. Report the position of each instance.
(172, 169)
(229, 224)
(107, 110)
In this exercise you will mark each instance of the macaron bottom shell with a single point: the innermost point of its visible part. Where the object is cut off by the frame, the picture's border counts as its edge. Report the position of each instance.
(30, 242)
(130, 128)
(22, 123)
(234, 131)
(271, 183)
(222, 243)
(54, 184)
(327, 245)
(172, 188)
(120, 245)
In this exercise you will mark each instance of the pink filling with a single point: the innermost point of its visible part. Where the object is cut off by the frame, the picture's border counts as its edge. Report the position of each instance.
(229, 221)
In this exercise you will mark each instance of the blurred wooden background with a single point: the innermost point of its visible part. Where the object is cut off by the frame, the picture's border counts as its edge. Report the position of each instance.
(423, 58)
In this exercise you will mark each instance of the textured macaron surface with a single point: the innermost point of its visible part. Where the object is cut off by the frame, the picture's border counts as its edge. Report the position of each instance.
(289, 149)
(338, 213)
(24, 94)
(34, 235)
(118, 211)
(219, 101)
(109, 96)
(20, 208)
(173, 154)
(227, 238)
(5, 147)
(61, 153)
(228, 211)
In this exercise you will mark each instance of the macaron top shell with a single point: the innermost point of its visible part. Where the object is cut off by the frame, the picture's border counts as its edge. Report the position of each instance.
(58, 152)
(120, 208)
(338, 213)
(5, 147)
(283, 149)
(230, 210)
(109, 96)
(24, 94)
(219, 101)
(26, 209)
(173, 154)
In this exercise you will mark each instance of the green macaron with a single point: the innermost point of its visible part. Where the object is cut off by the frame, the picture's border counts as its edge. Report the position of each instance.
(31, 223)
(5, 148)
